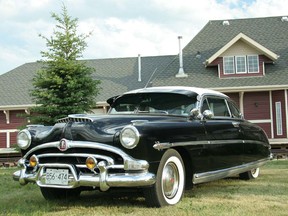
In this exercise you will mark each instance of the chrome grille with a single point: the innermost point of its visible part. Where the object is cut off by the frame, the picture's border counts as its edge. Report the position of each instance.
(75, 118)
(76, 155)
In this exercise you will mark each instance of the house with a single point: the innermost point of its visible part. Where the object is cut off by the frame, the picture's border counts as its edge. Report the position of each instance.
(246, 59)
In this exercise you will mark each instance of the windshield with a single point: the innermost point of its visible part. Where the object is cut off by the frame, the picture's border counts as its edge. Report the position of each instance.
(154, 103)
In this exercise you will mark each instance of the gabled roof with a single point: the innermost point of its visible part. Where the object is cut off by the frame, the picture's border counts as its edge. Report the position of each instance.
(273, 56)
(117, 75)
(269, 32)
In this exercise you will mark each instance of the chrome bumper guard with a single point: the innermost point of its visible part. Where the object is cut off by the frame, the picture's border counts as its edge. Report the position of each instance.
(102, 180)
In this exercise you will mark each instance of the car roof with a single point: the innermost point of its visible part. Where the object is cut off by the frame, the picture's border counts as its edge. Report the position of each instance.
(178, 90)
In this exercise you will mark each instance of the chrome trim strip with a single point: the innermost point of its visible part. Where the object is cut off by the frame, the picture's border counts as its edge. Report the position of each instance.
(166, 145)
(223, 173)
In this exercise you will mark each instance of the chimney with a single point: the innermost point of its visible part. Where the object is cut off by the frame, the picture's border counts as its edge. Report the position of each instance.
(181, 72)
(139, 68)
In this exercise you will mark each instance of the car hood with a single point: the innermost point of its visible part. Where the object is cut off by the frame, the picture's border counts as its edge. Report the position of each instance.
(95, 128)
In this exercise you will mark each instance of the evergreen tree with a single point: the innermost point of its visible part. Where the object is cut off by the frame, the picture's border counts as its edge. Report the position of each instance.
(64, 85)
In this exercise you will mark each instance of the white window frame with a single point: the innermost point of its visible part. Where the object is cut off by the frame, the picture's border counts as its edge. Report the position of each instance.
(278, 114)
(248, 66)
(245, 64)
(235, 66)
(233, 62)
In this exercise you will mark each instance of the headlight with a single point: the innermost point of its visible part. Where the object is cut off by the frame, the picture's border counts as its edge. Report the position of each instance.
(24, 139)
(129, 137)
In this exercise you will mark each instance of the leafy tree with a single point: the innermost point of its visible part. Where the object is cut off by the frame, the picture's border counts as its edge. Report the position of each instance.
(64, 85)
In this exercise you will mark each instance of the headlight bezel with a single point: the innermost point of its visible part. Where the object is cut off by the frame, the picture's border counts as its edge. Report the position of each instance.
(129, 137)
(24, 139)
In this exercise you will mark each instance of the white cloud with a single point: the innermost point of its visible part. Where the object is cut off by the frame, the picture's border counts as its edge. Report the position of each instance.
(121, 28)
(118, 38)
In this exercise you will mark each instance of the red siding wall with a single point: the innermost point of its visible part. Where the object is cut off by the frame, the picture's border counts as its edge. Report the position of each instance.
(234, 97)
(2, 119)
(279, 96)
(256, 105)
(2, 140)
(15, 122)
(266, 127)
(13, 136)
(2, 126)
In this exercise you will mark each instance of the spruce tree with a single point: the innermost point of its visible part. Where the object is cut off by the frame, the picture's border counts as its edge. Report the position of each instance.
(64, 85)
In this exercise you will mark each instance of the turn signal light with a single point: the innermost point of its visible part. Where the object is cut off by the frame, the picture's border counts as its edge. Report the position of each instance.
(33, 161)
(91, 163)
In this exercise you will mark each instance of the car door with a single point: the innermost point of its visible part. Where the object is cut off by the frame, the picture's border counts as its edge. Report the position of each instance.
(225, 146)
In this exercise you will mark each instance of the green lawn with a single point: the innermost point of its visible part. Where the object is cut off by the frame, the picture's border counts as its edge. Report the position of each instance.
(267, 195)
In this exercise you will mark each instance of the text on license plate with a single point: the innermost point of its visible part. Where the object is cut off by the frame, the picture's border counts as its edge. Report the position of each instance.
(57, 176)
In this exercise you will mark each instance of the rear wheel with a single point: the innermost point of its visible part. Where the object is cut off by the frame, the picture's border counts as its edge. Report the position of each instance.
(251, 174)
(170, 181)
(59, 193)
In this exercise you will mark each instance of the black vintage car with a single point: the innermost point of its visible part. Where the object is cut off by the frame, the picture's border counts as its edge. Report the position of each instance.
(159, 140)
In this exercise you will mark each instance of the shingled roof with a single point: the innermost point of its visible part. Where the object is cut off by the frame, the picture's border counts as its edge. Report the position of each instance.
(117, 75)
(121, 74)
(270, 32)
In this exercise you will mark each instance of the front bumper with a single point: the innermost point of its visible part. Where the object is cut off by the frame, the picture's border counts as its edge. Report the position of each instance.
(102, 180)
(135, 172)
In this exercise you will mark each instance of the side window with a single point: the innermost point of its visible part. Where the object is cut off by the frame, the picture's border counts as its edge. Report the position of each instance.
(234, 110)
(218, 106)
(205, 106)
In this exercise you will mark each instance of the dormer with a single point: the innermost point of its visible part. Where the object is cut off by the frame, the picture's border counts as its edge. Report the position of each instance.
(241, 57)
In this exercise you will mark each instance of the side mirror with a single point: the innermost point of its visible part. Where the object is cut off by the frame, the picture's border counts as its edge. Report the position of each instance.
(208, 114)
(194, 113)
(241, 116)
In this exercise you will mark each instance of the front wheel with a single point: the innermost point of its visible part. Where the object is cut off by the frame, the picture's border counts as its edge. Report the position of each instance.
(170, 181)
(251, 174)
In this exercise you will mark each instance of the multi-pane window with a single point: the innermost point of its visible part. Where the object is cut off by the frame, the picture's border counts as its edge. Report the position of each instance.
(253, 64)
(229, 65)
(241, 64)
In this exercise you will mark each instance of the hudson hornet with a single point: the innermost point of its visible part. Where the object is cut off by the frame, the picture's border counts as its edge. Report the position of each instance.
(159, 140)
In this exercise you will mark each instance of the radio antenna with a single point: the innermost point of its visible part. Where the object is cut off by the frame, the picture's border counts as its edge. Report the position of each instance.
(150, 78)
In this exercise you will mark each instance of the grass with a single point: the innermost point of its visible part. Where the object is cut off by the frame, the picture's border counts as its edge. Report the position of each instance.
(267, 195)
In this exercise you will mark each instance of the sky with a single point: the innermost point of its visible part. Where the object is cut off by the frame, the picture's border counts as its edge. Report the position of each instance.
(120, 28)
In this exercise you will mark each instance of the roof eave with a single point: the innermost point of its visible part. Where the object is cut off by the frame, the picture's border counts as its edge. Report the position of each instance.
(250, 88)
(16, 107)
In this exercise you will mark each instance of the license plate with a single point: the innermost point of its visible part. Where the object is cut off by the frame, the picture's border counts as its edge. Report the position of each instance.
(57, 176)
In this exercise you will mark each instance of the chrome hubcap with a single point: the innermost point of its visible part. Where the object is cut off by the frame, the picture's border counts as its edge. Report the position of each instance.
(170, 180)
